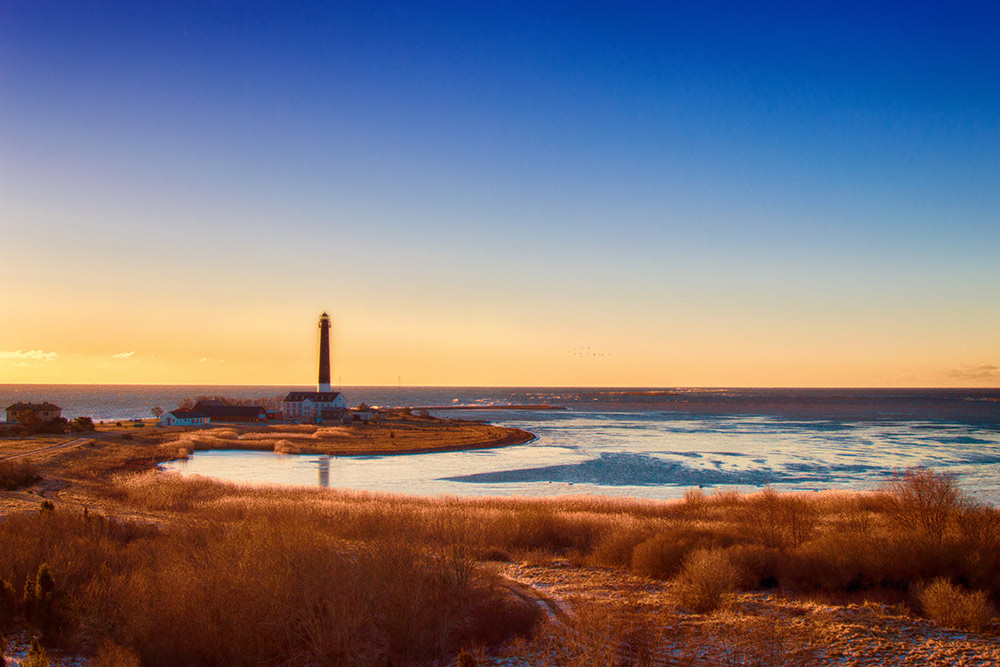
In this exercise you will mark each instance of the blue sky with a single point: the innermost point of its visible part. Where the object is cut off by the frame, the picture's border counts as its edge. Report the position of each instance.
(709, 193)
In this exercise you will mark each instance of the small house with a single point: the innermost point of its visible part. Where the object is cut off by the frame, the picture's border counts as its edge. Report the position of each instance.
(43, 411)
(184, 418)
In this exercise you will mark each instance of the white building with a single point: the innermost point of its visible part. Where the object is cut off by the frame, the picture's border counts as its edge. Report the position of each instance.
(184, 418)
(307, 405)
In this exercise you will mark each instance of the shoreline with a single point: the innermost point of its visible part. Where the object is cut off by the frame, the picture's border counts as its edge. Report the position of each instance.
(499, 407)
(510, 438)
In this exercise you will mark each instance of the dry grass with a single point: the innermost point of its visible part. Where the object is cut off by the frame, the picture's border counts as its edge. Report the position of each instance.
(854, 543)
(275, 587)
(237, 574)
(400, 435)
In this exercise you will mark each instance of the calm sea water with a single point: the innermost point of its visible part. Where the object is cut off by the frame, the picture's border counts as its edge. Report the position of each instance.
(638, 442)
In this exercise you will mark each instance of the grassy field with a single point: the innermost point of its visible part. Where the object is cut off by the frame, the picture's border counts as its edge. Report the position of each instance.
(153, 569)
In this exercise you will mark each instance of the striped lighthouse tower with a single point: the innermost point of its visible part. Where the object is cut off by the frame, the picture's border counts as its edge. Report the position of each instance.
(324, 353)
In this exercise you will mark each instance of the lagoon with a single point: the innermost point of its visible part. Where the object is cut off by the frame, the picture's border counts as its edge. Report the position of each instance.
(647, 454)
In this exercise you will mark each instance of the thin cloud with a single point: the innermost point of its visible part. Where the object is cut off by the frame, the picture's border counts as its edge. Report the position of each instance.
(124, 355)
(980, 371)
(32, 355)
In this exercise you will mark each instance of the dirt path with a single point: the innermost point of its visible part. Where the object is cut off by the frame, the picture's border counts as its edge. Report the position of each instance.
(536, 597)
(49, 487)
(51, 448)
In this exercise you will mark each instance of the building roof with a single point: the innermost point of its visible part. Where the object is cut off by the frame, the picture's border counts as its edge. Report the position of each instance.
(34, 406)
(314, 396)
(188, 414)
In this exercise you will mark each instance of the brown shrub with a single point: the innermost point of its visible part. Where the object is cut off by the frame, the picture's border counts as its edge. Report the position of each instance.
(695, 504)
(17, 475)
(615, 547)
(113, 655)
(759, 567)
(495, 555)
(272, 587)
(777, 521)
(662, 555)
(950, 606)
(609, 634)
(8, 605)
(922, 500)
(979, 527)
(707, 576)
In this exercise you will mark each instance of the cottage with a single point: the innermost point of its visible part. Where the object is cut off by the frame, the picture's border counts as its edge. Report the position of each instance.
(184, 418)
(219, 412)
(43, 412)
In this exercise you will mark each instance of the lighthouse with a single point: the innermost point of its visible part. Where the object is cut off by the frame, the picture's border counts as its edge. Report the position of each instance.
(324, 353)
(324, 403)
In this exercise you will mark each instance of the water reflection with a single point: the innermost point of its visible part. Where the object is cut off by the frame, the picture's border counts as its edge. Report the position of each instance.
(324, 471)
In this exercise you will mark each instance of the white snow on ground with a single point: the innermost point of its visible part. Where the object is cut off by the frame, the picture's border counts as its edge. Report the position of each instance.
(754, 628)
(16, 650)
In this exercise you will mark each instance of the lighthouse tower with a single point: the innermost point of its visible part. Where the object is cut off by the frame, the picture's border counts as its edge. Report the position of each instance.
(324, 353)
(315, 406)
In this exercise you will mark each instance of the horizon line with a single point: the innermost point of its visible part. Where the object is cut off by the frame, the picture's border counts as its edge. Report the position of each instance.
(489, 386)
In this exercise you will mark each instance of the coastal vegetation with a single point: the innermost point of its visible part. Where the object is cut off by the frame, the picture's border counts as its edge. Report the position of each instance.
(16, 475)
(267, 402)
(161, 569)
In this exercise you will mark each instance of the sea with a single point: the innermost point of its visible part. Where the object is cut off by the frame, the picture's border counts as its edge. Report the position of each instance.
(651, 442)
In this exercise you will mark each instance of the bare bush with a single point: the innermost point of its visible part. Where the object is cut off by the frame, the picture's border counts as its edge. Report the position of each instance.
(759, 567)
(953, 607)
(707, 576)
(615, 547)
(663, 555)
(922, 500)
(980, 524)
(777, 521)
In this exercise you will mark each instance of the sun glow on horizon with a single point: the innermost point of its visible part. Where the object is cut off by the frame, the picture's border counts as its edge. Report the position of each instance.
(485, 196)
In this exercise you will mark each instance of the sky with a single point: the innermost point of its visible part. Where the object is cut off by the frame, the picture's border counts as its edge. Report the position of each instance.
(501, 193)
